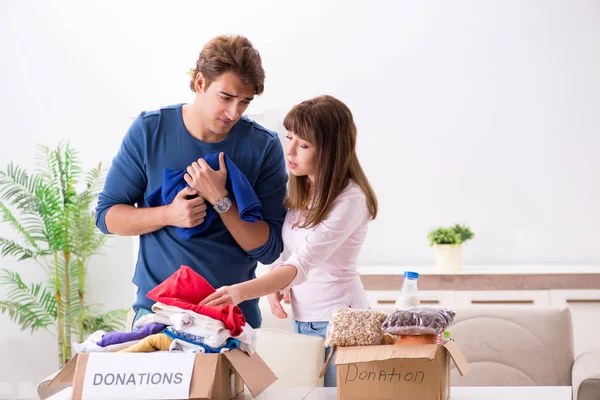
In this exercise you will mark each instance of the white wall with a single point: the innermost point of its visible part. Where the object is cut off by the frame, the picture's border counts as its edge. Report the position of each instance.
(482, 112)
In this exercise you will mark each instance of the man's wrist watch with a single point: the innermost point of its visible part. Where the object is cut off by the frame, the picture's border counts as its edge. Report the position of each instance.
(222, 205)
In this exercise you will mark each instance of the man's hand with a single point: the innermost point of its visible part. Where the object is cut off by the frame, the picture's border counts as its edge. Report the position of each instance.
(184, 212)
(223, 296)
(209, 183)
(276, 307)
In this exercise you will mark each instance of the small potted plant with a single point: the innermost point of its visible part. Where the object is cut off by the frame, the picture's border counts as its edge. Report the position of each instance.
(448, 249)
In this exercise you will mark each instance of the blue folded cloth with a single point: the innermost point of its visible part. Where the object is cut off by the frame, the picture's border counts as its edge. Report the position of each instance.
(230, 343)
(237, 185)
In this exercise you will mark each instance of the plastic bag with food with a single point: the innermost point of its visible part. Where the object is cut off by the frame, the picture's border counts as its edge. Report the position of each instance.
(418, 321)
(355, 327)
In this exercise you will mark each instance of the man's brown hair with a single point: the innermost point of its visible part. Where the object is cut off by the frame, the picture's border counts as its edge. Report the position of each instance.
(327, 124)
(230, 54)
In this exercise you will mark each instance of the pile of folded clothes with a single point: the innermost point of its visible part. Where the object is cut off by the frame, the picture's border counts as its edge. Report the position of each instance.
(179, 323)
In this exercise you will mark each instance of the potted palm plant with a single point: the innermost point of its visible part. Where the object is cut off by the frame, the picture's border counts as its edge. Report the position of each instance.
(448, 246)
(56, 228)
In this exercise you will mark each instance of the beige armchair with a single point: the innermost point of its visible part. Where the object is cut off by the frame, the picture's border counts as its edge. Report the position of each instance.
(296, 359)
(523, 346)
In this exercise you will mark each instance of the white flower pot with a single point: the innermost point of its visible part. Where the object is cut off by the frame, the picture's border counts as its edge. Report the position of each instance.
(448, 258)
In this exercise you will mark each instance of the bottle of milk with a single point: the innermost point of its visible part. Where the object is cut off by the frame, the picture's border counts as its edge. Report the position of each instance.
(409, 293)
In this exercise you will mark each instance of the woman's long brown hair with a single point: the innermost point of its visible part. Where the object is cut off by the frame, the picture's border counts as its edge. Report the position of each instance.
(327, 124)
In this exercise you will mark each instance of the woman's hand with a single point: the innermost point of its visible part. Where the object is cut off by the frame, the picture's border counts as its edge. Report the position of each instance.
(209, 184)
(223, 296)
(276, 307)
(271, 282)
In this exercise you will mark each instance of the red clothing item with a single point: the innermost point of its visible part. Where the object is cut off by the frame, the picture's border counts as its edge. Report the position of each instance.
(185, 289)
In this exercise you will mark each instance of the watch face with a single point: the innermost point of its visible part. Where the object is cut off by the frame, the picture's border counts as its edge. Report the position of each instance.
(222, 205)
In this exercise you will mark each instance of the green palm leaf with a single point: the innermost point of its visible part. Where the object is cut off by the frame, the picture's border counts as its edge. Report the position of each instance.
(85, 238)
(8, 216)
(19, 188)
(47, 165)
(94, 181)
(52, 216)
(33, 306)
(35, 226)
(113, 320)
(12, 248)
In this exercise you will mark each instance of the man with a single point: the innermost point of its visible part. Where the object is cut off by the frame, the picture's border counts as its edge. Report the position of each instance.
(227, 76)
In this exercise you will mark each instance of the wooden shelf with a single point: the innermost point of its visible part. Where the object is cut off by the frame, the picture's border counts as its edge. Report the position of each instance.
(487, 281)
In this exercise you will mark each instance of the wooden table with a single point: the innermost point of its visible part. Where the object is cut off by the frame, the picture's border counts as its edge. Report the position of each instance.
(456, 393)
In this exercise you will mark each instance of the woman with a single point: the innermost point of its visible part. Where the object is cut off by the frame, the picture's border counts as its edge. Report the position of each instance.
(330, 203)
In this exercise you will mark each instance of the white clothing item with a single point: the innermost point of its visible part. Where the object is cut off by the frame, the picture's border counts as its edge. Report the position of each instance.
(325, 257)
(213, 331)
(247, 339)
(178, 345)
(89, 345)
(184, 322)
(149, 318)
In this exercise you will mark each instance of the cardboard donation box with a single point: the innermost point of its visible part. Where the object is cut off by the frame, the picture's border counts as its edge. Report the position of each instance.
(400, 372)
(162, 375)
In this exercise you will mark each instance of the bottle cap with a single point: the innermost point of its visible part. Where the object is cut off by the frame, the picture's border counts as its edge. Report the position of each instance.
(411, 275)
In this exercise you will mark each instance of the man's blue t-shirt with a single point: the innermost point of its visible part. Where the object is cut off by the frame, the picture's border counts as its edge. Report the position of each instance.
(158, 140)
